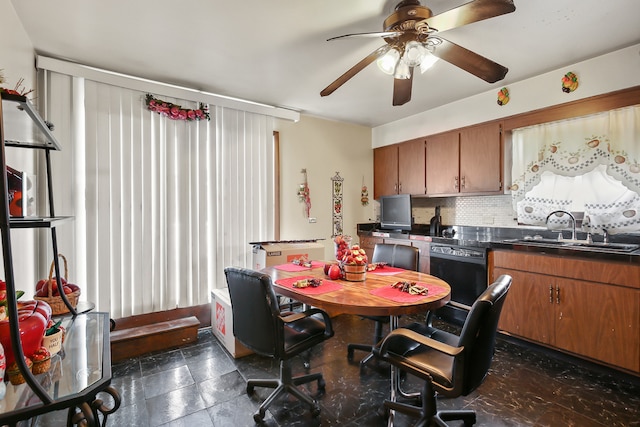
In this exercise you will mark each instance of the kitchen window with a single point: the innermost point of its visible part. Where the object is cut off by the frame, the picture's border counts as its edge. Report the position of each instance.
(589, 165)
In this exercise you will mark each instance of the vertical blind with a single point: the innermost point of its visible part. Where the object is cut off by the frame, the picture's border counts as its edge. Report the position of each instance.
(161, 206)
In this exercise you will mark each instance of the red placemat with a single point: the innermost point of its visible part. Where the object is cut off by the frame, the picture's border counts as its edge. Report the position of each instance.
(395, 294)
(295, 267)
(325, 287)
(387, 271)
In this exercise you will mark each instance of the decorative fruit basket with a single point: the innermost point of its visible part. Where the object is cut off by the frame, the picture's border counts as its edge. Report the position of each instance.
(49, 290)
(355, 272)
(354, 264)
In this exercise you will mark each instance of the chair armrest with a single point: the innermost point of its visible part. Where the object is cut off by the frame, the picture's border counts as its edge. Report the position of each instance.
(419, 338)
(293, 317)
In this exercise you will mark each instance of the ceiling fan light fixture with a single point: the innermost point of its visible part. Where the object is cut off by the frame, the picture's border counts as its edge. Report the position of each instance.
(387, 62)
(428, 61)
(413, 53)
(403, 72)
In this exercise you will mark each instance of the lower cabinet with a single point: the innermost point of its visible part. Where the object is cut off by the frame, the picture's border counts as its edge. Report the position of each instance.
(587, 308)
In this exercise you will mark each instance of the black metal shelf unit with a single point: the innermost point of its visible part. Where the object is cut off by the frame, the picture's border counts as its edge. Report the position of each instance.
(22, 126)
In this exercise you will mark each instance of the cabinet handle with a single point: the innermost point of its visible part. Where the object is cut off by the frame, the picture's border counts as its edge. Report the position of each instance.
(400, 188)
(455, 182)
(557, 294)
(550, 294)
(462, 182)
(395, 187)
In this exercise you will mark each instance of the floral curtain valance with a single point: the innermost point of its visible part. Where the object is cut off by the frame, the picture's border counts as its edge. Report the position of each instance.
(547, 157)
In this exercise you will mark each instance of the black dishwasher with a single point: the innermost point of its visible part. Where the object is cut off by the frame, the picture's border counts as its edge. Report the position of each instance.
(465, 270)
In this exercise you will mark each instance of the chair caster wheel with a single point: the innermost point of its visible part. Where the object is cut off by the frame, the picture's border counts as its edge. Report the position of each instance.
(315, 412)
(350, 355)
(259, 417)
(249, 390)
(321, 384)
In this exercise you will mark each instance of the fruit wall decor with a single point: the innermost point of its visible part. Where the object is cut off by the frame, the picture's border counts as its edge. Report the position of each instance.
(569, 82)
(336, 202)
(503, 96)
(303, 194)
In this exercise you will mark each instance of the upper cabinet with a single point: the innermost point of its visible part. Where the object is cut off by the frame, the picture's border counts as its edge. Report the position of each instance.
(468, 161)
(399, 169)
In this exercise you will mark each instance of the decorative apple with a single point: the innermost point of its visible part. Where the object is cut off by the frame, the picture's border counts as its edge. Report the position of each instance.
(355, 256)
(342, 246)
(334, 272)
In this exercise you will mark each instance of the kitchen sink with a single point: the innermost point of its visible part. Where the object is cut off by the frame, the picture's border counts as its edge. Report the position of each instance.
(596, 246)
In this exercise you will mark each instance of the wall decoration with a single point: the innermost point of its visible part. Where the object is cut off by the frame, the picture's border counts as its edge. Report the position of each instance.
(336, 188)
(569, 82)
(17, 90)
(176, 112)
(303, 194)
(503, 96)
(364, 194)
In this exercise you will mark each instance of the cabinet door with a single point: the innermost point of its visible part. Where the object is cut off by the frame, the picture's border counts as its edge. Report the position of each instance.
(443, 153)
(528, 310)
(599, 321)
(385, 171)
(411, 167)
(481, 159)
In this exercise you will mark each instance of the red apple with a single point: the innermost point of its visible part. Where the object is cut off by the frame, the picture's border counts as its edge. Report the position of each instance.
(334, 272)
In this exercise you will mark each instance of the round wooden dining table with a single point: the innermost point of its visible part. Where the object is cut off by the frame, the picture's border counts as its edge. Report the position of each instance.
(374, 296)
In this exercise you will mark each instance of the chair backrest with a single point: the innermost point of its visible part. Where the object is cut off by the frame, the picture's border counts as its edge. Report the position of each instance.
(401, 256)
(478, 334)
(255, 310)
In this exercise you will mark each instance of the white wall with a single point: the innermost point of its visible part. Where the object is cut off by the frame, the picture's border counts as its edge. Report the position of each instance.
(607, 73)
(323, 147)
(17, 61)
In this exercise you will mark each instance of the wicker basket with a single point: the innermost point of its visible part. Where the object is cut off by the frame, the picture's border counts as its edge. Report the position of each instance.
(57, 304)
(355, 273)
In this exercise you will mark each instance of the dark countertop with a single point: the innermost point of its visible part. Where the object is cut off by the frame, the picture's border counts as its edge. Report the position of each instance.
(498, 238)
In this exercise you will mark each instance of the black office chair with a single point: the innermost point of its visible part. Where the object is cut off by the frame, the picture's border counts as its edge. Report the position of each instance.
(400, 256)
(450, 365)
(259, 325)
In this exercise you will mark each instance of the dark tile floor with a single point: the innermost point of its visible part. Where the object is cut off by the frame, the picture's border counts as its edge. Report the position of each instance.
(201, 385)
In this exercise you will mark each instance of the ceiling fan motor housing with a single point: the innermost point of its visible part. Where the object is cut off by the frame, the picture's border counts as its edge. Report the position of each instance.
(407, 14)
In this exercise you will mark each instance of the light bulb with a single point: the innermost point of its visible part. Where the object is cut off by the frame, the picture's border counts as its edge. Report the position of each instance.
(402, 71)
(427, 61)
(413, 53)
(387, 62)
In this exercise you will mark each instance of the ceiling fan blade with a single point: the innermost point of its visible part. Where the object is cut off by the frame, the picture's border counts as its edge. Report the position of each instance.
(468, 13)
(402, 89)
(355, 70)
(469, 61)
(373, 34)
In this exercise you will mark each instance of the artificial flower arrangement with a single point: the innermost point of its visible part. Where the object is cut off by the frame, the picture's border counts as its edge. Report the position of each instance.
(17, 90)
(176, 112)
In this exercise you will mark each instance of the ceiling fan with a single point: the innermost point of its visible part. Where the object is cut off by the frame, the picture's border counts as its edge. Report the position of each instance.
(412, 36)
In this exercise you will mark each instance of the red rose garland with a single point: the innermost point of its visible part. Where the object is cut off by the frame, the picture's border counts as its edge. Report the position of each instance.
(176, 112)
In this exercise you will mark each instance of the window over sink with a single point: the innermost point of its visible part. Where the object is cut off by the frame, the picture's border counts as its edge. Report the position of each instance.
(589, 165)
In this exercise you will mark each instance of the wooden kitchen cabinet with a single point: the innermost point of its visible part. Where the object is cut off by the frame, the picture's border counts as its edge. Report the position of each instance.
(385, 171)
(399, 169)
(588, 308)
(411, 167)
(468, 161)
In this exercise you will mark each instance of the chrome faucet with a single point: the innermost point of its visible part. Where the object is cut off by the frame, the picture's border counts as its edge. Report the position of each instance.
(573, 219)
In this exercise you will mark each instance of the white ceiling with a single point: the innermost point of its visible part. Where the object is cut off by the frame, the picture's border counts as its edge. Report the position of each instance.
(275, 52)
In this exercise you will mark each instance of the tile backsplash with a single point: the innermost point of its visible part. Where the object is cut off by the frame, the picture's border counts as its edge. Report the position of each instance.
(495, 211)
